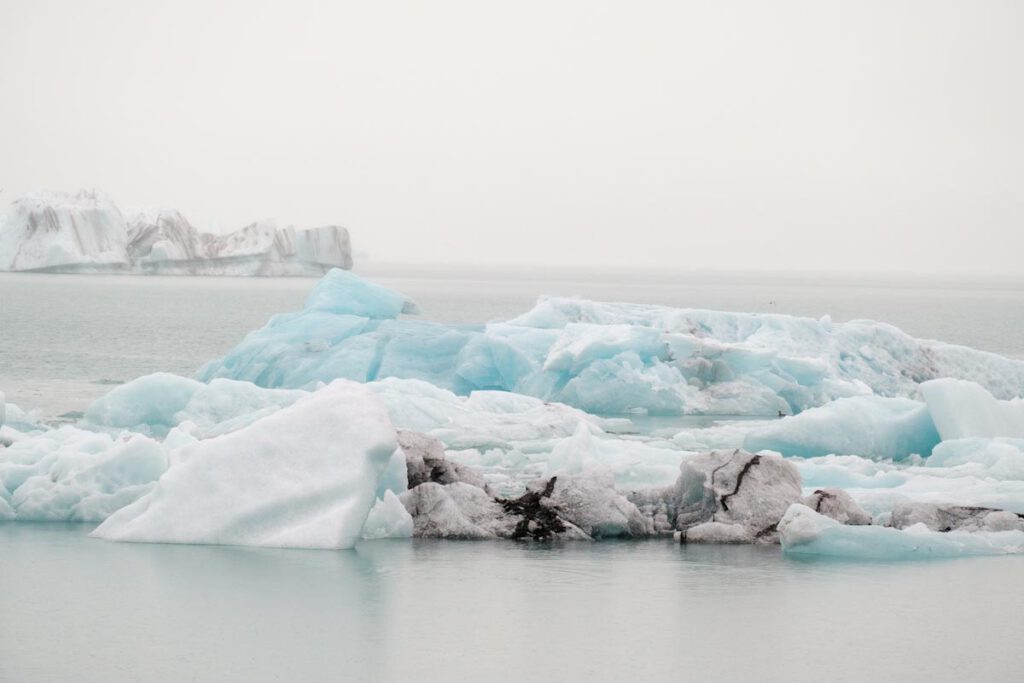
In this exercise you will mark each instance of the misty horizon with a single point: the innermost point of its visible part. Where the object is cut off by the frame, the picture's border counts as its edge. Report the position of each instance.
(878, 138)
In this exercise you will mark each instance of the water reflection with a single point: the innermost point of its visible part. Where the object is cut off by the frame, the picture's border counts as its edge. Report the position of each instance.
(75, 608)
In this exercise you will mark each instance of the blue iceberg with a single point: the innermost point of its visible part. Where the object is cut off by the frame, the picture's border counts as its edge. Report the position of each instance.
(605, 358)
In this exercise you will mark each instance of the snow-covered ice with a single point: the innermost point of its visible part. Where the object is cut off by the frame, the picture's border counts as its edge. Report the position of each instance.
(87, 233)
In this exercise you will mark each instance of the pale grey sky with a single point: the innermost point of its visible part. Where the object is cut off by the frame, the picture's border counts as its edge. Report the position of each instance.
(878, 135)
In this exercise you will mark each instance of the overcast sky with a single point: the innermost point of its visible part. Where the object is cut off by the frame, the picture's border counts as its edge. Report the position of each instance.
(794, 135)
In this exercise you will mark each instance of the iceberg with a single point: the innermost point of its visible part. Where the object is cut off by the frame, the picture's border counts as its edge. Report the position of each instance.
(87, 233)
(839, 505)
(63, 231)
(305, 476)
(154, 404)
(610, 359)
(963, 409)
(806, 532)
(70, 474)
(388, 518)
(741, 495)
(872, 426)
(954, 517)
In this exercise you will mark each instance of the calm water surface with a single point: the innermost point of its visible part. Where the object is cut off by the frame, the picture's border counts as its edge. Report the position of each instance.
(79, 609)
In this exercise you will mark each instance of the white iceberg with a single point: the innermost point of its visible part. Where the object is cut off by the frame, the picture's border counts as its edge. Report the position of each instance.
(962, 409)
(87, 233)
(305, 476)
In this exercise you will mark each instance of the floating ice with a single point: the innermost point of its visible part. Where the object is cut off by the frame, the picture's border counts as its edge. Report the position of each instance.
(630, 464)
(607, 358)
(153, 404)
(344, 293)
(964, 409)
(388, 518)
(871, 426)
(304, 476)
(804, 531)
(71, 474)
(954, 517)
(456, 510)
(838, 505)
(86, 232)
(733, 489)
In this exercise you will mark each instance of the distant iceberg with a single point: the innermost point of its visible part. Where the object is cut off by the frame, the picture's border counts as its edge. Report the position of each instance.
(87, 233)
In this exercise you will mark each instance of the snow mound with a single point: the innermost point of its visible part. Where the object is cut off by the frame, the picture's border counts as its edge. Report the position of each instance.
(305, 476)
(610, 358)
(86, 232)
(805, 532)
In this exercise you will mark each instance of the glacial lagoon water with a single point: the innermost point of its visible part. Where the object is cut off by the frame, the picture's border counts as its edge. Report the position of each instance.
(74, 608)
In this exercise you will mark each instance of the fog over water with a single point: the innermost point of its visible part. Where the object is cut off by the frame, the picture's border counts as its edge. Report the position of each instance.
(874, 135)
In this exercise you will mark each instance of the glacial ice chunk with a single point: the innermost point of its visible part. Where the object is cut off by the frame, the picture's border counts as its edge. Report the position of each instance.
(805, 532)
(147, 404)
(837, 504)
(963, 409)
(607, 358)
(954, 517)
(68, 474)
(457, 510)
(388, 518)
(153, 404)
(343, 293)
(51, 230)
(734, 488)
(870, 426)
(303, 477)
